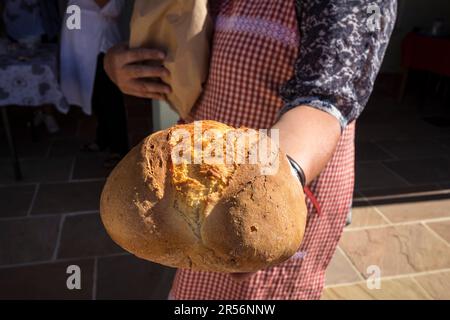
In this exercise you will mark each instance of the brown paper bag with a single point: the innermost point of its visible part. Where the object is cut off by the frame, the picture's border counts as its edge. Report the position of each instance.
(182, 28)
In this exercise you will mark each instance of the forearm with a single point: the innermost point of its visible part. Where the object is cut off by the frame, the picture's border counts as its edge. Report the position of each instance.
(310, 137)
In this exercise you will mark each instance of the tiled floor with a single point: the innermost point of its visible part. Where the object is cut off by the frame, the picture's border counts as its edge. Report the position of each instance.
(401, 215)
(50, 220)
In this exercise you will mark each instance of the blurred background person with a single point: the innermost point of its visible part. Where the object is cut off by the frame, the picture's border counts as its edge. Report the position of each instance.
(51, 19)
(30, 23)
(84, 81)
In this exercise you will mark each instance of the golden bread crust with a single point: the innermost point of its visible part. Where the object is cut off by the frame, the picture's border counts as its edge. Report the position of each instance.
(208, 217)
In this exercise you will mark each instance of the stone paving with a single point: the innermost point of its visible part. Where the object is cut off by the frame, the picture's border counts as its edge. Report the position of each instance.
(50, 220)
(401, 214)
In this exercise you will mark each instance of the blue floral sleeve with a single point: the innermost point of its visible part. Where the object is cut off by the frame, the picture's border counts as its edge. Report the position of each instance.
(342, 45)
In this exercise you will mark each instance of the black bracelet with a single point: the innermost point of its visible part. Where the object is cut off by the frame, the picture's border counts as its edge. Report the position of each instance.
(299, 170)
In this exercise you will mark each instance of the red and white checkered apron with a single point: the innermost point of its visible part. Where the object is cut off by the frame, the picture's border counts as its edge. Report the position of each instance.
(254, 49)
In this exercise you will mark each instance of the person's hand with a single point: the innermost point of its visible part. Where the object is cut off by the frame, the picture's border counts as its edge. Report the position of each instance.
(137, 72)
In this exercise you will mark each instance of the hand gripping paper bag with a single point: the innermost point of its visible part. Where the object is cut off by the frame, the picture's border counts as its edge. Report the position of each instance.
(182, 29)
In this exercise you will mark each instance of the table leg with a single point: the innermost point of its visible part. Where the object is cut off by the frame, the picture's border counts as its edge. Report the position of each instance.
(12, 145)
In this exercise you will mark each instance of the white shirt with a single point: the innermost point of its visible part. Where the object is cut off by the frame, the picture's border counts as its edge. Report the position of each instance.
(80, 48)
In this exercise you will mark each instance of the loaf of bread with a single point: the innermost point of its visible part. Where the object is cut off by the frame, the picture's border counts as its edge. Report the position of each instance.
(186, 212)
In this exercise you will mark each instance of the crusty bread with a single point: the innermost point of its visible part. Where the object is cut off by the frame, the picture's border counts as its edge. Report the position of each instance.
(209, 217)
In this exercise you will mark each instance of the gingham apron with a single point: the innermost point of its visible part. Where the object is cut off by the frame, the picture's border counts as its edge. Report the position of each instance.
(254, 50)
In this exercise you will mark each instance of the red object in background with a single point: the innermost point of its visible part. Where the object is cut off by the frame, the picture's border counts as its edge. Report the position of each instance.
(426, 53)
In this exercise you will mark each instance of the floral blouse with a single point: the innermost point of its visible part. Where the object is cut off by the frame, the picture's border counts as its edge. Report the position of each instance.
(342, 46)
